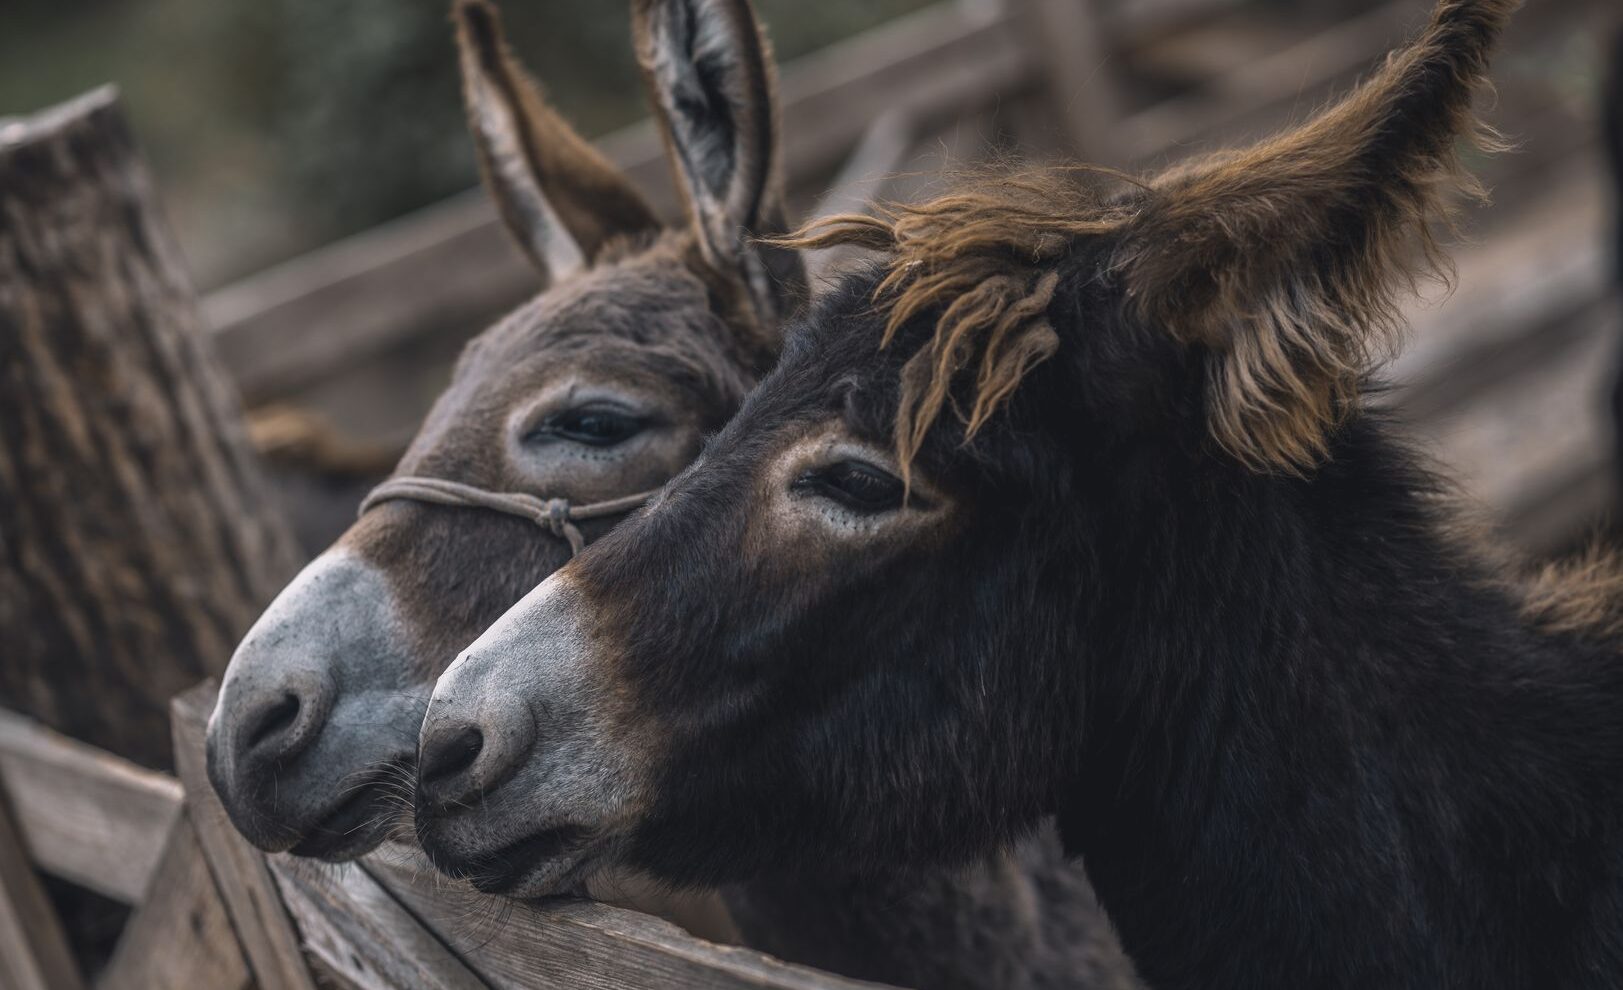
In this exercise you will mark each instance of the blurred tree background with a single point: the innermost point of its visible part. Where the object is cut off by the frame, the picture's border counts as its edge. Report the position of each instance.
(277, 125)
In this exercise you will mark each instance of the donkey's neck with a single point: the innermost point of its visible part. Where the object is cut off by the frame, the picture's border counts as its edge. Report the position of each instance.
(1329, 752)
(1023, 919)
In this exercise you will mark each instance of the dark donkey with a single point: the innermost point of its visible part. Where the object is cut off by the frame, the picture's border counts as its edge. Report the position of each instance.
(1072, 507)
(600, 388)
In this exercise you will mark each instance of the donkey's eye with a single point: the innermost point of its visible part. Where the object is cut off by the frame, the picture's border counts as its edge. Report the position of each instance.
(597, 427)
(853, 484)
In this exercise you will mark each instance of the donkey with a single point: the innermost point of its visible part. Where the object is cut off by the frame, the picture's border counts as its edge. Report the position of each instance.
(600, 388)
(1071, 505)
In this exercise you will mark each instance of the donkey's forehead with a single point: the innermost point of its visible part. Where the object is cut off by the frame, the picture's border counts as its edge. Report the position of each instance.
(842, 333)
(641, 300)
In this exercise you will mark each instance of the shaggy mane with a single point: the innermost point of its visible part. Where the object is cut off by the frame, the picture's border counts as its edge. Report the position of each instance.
(984, 257)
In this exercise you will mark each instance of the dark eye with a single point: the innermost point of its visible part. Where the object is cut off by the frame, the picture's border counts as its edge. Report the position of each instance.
(855, 485)
(594, 427)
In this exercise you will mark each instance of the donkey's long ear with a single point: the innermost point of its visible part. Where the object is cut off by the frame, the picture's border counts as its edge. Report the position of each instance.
(1288, 261)
(710, 74)
(558, 196)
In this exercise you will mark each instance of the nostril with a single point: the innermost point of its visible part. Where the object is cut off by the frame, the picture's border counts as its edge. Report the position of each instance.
(274, 721)
(448, 755)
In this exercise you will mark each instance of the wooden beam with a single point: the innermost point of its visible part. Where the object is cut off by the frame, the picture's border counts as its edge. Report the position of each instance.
(34, 951)
(1135, 19)
(1079, 73)
(180, 935)
(268, 937)
(1260, 96)
(1508, 377)
(583, 943)
(862, 182)
(85, 815)
(360, 932)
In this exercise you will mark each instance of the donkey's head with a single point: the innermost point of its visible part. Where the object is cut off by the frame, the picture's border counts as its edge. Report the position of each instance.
(867, 625)
(643, 340)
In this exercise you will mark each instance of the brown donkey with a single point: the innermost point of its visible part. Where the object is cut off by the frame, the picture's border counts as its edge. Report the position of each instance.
(1073, 507)
(602, 387)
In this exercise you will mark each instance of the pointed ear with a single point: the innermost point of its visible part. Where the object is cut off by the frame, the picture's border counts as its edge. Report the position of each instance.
(710, 75)
(557, 195)
(1287, 262)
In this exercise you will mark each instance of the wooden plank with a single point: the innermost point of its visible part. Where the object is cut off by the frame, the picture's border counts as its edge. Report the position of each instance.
(180, 935)
(267, 935)
(85, 815)
(1521, 291)
(937, 64)
(1508, 378)
(1262, 95)
(862, 182)
(1079, 72)
(1130, 20)
(362, 934)
(1539, 438)
(33, 949)
(583, 944)
(862, 179)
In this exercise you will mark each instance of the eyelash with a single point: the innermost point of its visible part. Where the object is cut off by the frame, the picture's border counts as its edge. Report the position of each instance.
(857, 486)
(572, 425)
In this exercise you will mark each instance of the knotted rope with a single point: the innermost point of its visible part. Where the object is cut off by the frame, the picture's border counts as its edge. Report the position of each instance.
(556, 515)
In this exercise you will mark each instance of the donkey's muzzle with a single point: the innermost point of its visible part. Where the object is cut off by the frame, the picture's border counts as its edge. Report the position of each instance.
(275, 721)
(470, 748)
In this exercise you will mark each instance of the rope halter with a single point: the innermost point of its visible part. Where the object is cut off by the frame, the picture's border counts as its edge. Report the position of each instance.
(556, 515)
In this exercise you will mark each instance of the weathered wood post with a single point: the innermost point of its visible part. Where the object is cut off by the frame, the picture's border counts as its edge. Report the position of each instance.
(137, 541)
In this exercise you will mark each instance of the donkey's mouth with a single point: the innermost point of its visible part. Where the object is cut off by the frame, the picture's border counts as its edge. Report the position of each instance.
(550, 861)
(356, 826)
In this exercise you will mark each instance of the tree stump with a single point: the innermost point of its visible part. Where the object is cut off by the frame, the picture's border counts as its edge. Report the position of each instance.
(137, 538)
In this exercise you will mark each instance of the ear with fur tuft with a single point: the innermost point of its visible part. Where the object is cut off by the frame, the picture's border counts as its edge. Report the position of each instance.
(709, 72)
(558, 196)
(1287, 261)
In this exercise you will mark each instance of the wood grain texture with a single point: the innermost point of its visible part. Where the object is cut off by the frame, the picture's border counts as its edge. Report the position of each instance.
(33, 949)
(362, 934)
(583, 944)
(180, 936)
(862, 182)
(86, 816)
(136, 541)
(263, 927)
(1080, 69)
